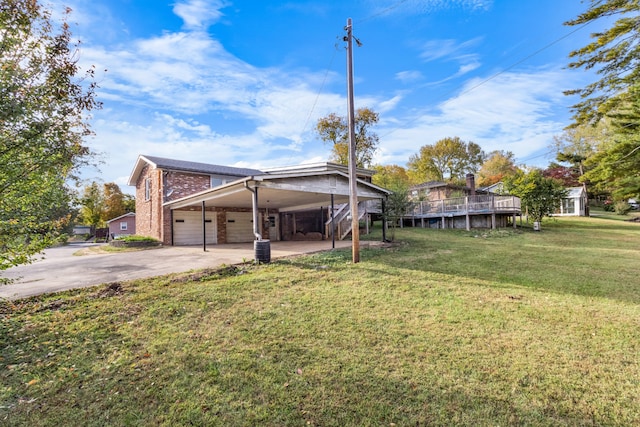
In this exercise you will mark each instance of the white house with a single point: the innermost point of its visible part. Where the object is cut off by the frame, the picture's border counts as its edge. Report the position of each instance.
(574, 204)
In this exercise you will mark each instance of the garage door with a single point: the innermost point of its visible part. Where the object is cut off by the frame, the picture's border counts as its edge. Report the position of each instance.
(240, 227)
(187, 228)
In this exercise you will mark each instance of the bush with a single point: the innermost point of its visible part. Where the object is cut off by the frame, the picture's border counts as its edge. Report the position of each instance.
(134, 238)
(134, 242)
(621, 208)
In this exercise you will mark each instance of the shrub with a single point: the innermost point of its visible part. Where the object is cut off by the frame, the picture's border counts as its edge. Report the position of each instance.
(134, 238)
(621, 208)
(134, 242)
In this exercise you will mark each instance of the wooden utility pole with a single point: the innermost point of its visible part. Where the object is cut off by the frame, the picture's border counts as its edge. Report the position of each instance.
(353, 183)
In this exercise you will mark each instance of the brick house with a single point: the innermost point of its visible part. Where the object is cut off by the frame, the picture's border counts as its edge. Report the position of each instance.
(179, 202)
(438, 190)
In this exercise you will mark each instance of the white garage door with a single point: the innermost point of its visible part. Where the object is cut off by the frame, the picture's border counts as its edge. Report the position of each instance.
(240, 227)
(187, 228)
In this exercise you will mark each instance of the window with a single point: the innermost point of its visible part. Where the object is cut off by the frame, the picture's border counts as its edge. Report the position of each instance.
(123, 226)
(147, 189)
(217, 181)
(568, 206)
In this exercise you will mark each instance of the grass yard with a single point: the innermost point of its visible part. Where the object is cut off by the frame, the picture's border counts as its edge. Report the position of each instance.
(446, 328)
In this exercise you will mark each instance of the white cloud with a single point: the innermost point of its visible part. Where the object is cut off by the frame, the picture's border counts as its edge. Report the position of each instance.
(449, 49)
(409, 76)
(199, 14)
(511, 112)
(426, 6)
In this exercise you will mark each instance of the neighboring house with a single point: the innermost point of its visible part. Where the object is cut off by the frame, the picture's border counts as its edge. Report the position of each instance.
(497, 188)
(82, 229)
(124, 225)
(574, 204)
(438, 190)
(441, 205)
(179, 202)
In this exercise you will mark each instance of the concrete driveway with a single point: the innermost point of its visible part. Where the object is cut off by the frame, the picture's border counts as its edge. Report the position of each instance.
(62, 270)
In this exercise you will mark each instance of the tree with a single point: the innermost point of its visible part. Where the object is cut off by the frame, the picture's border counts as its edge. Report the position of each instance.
(614, 168)
(390, 176)
(569, 176)
(116, 203)
(448, 159)
(334, 129)
(397, 205)
(92, 201)
(615, 51)
(498, 165)
(43, 121)
(99, 204)
(540, 196)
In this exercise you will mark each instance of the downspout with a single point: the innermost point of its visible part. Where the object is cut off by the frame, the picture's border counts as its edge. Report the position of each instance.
(254, 203)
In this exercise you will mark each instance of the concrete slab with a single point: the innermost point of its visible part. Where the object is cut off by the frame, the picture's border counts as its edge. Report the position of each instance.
(61, 270)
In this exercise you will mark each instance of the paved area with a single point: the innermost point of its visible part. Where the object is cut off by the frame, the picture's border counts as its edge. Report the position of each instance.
(62, 269)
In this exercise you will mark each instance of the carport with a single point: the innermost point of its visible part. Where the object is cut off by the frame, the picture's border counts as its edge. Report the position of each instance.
(261, 195)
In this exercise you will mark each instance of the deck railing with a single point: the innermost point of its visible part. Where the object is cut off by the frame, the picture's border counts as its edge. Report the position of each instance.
(463, 205)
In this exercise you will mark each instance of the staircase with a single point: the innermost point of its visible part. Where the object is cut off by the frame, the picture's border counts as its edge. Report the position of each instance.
(342, 218)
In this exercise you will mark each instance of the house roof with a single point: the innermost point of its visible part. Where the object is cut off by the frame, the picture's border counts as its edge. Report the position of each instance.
(283, 191)
(317, 167)
(187, 166)
(575, 192)
(121, 216)
(498, 187)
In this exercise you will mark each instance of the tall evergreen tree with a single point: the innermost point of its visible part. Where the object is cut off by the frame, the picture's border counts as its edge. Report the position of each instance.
(613, 53)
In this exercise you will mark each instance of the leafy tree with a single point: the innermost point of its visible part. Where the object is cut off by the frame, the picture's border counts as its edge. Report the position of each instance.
(43, 121)
(129, 203)
(334, 129)
(613, 52)
(498, 165)
(116, 203)
(100, 204)
(92, 210)
(569, 176)
(389, 176)
(448, 159)
(396, 205)
(539, 195)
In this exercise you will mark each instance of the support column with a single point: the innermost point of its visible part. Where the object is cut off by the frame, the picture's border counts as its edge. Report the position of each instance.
(333, 225)
(384, 221)
(204, 228)
(466, 208)
(254, 205)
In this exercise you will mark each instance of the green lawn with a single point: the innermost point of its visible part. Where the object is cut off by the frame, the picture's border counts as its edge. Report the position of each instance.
(446, 328)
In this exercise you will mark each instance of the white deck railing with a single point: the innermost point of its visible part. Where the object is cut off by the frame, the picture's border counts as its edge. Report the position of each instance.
(466, 205)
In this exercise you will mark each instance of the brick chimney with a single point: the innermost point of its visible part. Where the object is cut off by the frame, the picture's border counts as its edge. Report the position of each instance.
(471, 184)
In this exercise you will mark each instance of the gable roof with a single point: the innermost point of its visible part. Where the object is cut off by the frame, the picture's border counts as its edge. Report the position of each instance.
(187, 166)
(574, 192)
(121, 216)
(283, 191)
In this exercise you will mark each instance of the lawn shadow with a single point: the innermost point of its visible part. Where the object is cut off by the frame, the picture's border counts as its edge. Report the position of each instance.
(578, 257)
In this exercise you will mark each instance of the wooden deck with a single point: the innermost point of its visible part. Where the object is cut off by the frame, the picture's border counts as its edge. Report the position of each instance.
(481, 209)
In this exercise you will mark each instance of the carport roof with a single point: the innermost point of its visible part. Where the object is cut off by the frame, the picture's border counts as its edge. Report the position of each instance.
(282, 191)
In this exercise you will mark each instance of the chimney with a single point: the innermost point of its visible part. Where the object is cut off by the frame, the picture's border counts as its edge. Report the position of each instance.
(471, 184)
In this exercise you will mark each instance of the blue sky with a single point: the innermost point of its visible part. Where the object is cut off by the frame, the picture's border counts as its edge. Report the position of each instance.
(242, 83)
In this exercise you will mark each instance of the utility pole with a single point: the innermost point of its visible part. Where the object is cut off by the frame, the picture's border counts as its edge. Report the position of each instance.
(353, 183)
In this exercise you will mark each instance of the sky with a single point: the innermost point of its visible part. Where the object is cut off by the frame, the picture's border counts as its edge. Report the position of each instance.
(243, 82)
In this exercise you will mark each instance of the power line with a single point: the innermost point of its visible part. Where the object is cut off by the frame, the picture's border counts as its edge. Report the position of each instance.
(382, 12)
(324, 80)
(515, 64)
